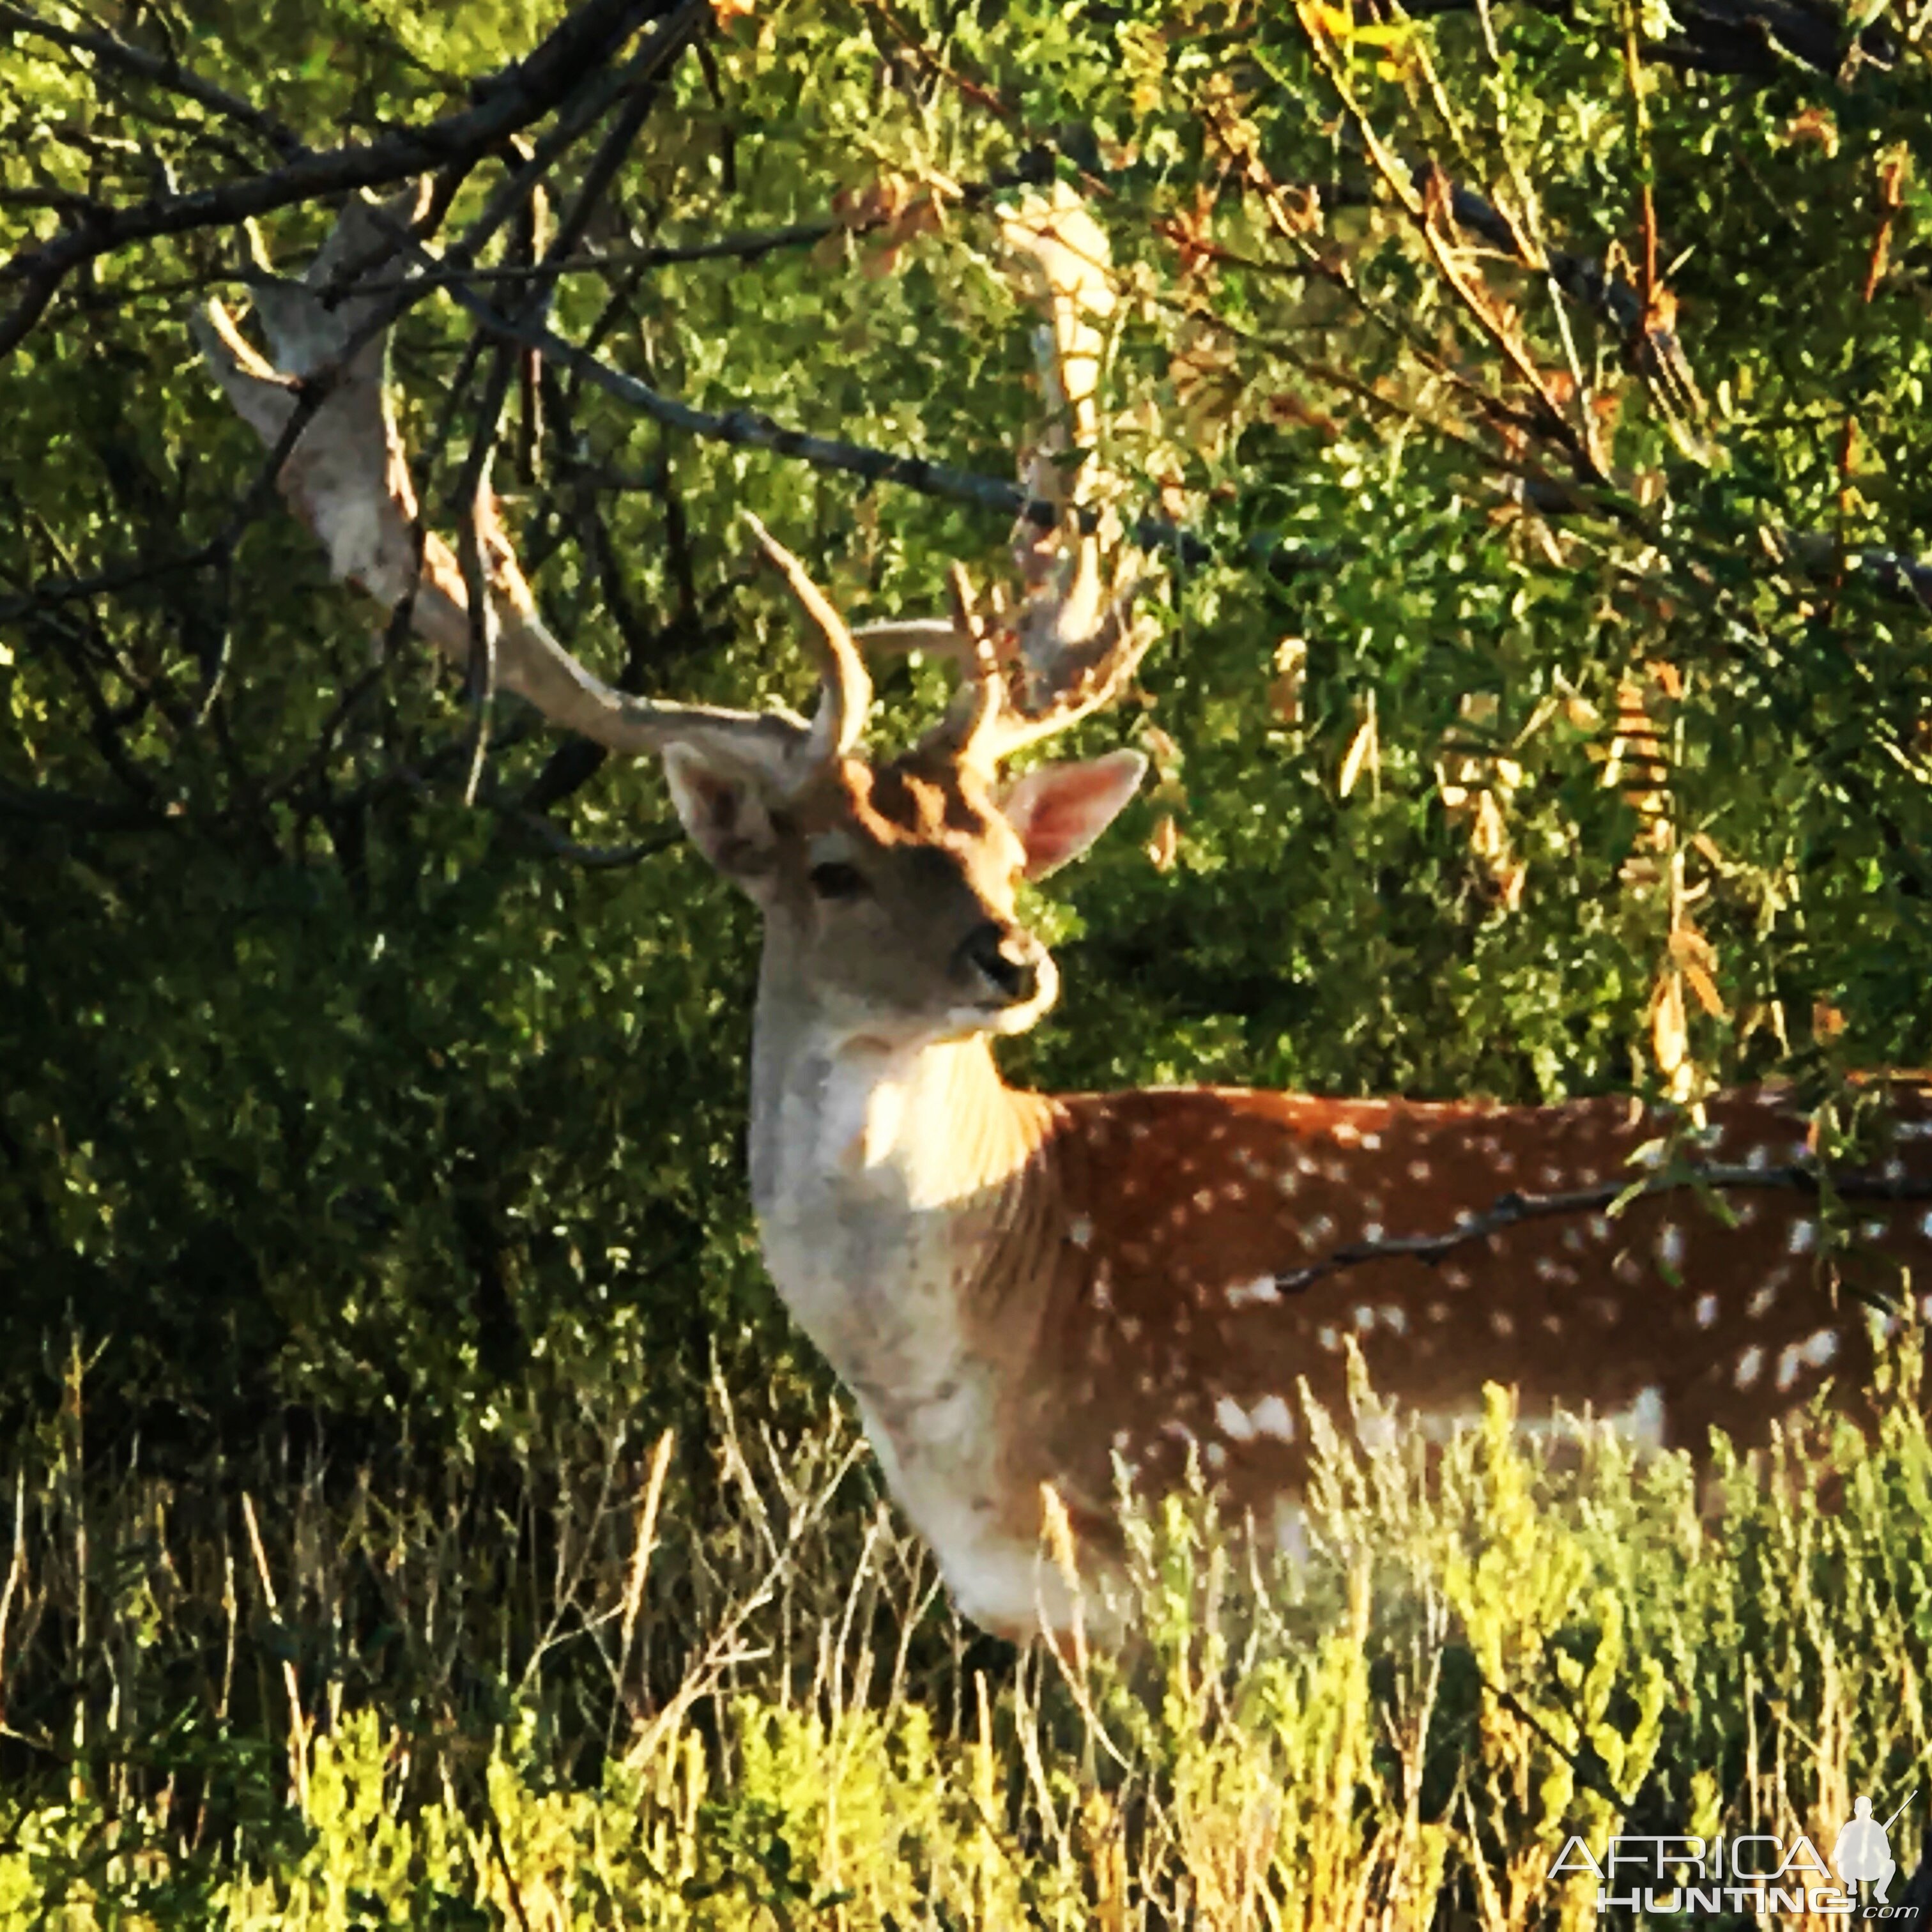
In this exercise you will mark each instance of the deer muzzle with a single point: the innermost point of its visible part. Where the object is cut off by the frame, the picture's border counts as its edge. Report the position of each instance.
(1009, 967)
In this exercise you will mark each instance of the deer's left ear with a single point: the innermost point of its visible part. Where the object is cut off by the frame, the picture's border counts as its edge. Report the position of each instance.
(724, 811)
(1060, 810)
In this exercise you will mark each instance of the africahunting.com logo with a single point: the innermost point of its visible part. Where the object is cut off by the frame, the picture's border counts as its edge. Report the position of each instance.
(1751, 1872)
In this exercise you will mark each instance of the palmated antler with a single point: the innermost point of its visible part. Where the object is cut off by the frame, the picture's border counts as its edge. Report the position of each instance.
(1073, 643)
(347, 477)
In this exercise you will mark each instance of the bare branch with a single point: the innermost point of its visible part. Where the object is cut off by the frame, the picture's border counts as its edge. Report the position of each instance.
(592, 858)
(749, 428)
(520, 95)
(1511, 1210)
(161, 71)
(1760, 39)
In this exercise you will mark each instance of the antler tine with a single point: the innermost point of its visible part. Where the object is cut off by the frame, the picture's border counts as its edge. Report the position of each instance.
(847, 689)
(909, 634)
(1112, 655)
(972, 724)
(984, 724)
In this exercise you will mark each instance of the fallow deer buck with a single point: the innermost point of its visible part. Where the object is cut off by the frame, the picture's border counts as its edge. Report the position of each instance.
(1019, 1288)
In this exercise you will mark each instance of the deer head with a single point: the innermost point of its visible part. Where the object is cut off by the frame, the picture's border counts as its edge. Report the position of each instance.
(888, 889)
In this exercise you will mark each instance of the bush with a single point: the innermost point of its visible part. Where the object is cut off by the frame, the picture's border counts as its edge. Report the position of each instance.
(570, 1694)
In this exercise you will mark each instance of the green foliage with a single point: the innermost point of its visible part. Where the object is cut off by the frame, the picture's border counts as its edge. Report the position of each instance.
(1541, 708)
(1476, 1661)
(323, 1087)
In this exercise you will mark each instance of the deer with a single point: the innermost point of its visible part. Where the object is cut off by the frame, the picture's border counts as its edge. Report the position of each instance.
(1025, 1291)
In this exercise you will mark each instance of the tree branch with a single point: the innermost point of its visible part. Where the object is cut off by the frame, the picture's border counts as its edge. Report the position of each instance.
(1512, 1210)
(750, 428)
(162, 70)
(519, 94)
(1760, 39)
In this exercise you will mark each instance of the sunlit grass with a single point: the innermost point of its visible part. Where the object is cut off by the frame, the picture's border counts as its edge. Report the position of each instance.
(570, 1695)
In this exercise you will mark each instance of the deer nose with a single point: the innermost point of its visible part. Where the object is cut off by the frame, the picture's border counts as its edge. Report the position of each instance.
(1008, 961)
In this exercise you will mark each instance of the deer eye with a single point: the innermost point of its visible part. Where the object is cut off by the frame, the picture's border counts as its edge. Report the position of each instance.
(833, 881)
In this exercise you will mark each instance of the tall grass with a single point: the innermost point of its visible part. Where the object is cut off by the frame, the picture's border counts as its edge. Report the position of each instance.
(603, 1682)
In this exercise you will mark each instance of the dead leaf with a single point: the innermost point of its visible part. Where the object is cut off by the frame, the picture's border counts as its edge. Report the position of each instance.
(1286, 410)
(1701, 983)
(1670, 1034)
(1291, 666)
(1361, 754)
(1815, 127)
(1164, 845)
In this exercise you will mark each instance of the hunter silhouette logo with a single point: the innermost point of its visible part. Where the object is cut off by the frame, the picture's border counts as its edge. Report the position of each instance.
(1863, 1853)
(1681, 1876)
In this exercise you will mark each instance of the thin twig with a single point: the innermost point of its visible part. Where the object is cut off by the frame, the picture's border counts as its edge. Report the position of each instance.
(513, 98)
(297, 1719)
(1513, 1209)
(162, 70)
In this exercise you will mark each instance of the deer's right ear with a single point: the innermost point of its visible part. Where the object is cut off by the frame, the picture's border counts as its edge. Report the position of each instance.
(723, 810)
(1058, 811)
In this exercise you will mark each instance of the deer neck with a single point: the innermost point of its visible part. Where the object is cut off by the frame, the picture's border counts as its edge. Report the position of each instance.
(890, 1179)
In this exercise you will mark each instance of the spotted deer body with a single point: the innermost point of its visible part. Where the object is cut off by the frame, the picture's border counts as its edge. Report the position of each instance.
(1022, 1290)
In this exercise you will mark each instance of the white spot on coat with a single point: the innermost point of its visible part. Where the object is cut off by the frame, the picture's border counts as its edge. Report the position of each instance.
(1262, 1288)
(1377, 1432)
(1271, 1416)
(1231, 1419)
(1815, 1351)
(1819, 1349)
